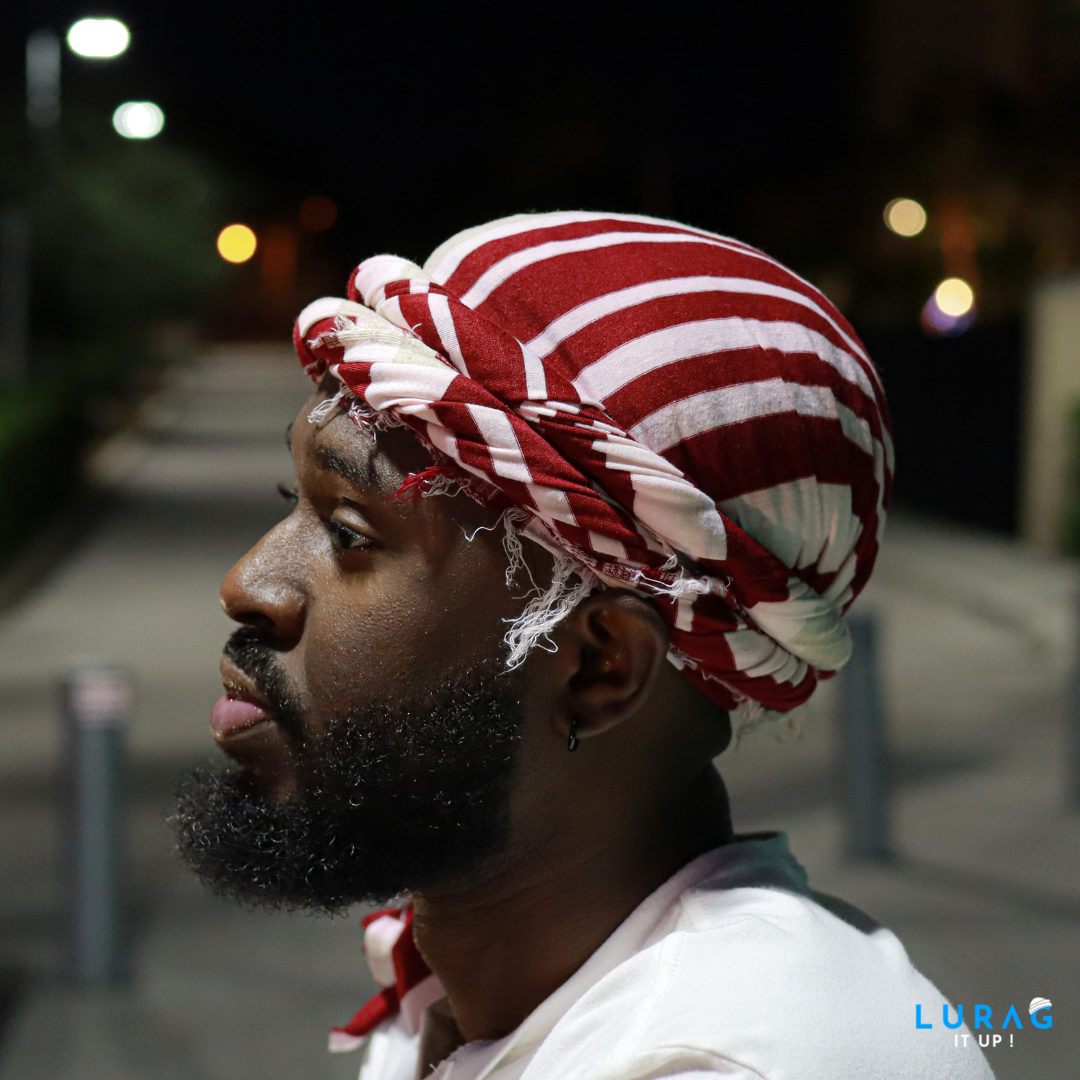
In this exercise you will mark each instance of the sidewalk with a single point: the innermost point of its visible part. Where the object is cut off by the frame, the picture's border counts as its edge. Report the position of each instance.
(976, 641)
(216, 992)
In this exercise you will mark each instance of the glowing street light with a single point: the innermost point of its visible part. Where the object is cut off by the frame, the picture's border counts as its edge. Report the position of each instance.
(955, 297)
(905, 217)
(98, 39)
(951, 309)
(236, 243)
(138, 120)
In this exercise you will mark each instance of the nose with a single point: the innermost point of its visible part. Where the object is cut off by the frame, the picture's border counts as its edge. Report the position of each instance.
(263, 590)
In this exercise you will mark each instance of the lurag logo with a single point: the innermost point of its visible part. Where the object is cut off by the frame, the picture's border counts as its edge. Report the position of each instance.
(1037, 1005)
(1039, 1016)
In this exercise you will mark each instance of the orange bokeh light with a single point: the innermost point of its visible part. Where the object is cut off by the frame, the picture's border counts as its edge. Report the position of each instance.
(236, 243)
(318, 213)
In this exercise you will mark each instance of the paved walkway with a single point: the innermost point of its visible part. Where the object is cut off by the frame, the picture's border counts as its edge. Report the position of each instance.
(976, 642)
(216, 993)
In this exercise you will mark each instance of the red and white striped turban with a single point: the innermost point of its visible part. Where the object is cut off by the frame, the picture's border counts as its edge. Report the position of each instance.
(674, 410)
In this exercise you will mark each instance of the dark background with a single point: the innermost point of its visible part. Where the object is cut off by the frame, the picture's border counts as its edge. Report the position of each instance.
(787, 124)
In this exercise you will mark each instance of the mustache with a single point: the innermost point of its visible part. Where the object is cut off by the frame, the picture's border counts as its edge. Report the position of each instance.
(249, 651)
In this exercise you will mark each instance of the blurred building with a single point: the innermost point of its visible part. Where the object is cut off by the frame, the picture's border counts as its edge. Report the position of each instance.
(973, 108)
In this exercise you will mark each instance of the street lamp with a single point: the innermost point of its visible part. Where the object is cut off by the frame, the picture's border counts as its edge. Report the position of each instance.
(905, 217)
(94, 39)
(138, 120)
(97, 39)
(236, 243)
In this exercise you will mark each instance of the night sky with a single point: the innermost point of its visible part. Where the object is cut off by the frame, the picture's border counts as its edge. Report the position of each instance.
(422, 119)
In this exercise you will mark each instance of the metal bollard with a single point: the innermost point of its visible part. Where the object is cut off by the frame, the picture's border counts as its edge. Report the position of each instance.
(95, 708)
(863, 747)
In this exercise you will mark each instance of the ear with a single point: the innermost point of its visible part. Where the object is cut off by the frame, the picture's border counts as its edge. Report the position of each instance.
(610, 650)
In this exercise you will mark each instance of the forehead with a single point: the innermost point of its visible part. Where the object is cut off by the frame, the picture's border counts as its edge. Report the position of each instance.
(370, 460)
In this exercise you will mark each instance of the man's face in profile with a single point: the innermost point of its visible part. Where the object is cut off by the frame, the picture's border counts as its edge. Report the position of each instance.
(366, 701)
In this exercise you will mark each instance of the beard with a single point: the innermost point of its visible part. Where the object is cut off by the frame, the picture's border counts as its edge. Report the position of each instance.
(398, 796)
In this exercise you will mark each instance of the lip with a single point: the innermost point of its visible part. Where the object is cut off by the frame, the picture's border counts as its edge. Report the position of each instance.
(241, 708)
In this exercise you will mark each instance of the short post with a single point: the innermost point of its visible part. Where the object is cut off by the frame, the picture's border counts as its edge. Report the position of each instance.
(95, 707)
(1072, 714)
(863, 747)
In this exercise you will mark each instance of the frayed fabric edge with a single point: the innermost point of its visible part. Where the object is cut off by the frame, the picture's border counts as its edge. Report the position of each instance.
(365, 418)
(571, 582)
(326, 408)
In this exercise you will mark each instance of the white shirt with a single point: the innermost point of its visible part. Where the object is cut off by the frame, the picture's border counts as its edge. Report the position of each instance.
(733, 969)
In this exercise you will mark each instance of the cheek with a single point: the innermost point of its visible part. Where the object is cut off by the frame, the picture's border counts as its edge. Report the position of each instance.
(398, 630)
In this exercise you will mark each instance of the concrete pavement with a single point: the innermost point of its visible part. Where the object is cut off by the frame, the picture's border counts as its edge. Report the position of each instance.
(977, 636)
(216, 992)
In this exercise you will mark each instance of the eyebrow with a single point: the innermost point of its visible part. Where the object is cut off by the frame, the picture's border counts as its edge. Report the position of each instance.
(288, 438)
(362, 476)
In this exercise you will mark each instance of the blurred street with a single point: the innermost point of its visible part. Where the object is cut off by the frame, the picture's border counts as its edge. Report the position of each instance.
(215, 991)
(977, 637)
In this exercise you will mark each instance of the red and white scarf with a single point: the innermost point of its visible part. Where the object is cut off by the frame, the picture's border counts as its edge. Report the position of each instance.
(674, 410)
(406, 984)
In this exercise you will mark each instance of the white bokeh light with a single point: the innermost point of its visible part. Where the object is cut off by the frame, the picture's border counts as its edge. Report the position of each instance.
(98, 38)
(138, 120)
(955, 297)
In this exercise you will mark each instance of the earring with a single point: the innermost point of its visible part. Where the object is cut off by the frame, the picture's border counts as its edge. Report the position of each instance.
(571, 743)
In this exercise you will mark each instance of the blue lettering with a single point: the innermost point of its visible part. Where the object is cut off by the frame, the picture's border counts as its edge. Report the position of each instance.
(945, 1015)
(1048, 1022)
(1016, 1019)
(918, 1018)
(982, 1017)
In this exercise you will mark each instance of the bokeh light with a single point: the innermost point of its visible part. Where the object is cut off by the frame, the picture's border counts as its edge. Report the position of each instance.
(951, 309)
(98, 39)
(236, 243)
(138, 120)
(905, 217)
(955, 297)
(318, 213)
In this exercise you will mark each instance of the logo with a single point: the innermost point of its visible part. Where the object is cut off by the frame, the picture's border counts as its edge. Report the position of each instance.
(982, 1016)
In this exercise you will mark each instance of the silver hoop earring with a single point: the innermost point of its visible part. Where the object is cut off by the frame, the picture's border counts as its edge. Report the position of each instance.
(572, 741)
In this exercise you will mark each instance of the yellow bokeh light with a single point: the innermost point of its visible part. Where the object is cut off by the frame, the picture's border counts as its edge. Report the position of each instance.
(955, 297)
(905, 217)
(236, 243)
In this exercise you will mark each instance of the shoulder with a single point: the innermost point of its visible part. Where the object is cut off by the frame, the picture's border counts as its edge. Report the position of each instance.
(757, 982)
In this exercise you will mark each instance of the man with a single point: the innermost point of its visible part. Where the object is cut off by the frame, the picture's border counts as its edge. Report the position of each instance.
(671, 463)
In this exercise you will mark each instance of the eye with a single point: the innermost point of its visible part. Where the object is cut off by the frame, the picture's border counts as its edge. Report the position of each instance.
(290, 495)
(346, 538)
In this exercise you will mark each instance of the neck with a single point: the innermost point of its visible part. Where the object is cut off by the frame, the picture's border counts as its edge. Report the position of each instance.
(502, 946)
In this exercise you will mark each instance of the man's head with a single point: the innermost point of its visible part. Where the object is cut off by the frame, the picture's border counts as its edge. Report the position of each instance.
(383, 744)
(698, 446)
